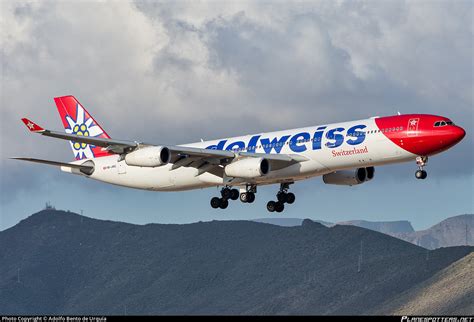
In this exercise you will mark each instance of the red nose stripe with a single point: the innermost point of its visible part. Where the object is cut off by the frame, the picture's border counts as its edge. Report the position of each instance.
(416, 133)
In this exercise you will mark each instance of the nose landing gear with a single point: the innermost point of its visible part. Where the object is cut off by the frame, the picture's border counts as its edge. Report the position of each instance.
(421, 162)
(283, 196)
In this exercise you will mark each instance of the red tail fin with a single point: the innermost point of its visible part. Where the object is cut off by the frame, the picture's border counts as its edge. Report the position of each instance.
(77, 120)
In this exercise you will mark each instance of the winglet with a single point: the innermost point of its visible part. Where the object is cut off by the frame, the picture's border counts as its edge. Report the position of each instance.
(32, 126)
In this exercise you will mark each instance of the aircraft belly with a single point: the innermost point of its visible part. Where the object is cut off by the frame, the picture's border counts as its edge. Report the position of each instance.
(107, 169)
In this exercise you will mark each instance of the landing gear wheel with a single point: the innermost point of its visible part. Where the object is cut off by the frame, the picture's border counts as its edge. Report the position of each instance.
(282, 197)
(223, 203)
(215, 202)
(243, 197)
(290, 198)
(421, 162)
(226, 193)
(234, 194)
(279, 206)
(271, 205)
(421, 174)
(250, 197)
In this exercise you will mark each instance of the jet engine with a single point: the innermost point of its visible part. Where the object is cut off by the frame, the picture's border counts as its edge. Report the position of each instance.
(153, 156)
(248, 168)
(350, 177)
(370, 173)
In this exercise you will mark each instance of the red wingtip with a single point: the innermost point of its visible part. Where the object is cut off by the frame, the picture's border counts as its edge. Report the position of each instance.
(32, 126)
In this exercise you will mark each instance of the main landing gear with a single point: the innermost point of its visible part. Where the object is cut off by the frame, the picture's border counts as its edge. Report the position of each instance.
(283, 196)
(223, 202)
(248, 195)
(421, 162)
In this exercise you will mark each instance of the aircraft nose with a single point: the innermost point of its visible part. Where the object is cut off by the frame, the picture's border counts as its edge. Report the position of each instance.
(457, 134)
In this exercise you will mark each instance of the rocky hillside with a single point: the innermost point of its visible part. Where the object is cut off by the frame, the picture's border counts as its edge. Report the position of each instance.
(458, 230)
(449, 292)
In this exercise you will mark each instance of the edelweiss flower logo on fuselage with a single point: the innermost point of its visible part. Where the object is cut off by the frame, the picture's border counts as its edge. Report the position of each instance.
(82, 126)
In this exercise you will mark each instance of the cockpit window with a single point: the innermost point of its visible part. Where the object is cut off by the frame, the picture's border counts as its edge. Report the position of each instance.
(442, 123)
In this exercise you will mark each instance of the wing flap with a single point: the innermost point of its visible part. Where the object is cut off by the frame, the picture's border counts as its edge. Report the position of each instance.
(191, 151)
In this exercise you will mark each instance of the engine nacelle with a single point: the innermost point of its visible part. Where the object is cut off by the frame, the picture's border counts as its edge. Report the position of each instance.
(248, 168)
(370, 173)
(153, 156)
(349, 177)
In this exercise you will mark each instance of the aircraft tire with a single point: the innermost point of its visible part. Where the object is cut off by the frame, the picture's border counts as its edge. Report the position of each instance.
(271, 206)
(215, 202)
(224, 203)
(279, 206)
(234, 195)
(290, 198)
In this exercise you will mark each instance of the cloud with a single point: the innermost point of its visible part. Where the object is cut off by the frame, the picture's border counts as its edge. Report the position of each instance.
(173, 72)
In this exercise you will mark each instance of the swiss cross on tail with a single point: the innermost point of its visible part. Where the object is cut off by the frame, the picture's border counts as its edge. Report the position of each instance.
(78, 121)
(413, 127)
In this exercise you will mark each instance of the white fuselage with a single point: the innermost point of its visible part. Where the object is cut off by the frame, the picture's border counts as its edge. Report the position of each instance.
(324, 150)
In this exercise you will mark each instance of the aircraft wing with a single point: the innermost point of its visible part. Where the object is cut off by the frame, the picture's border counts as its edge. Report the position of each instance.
(205, 160)
(277, 161)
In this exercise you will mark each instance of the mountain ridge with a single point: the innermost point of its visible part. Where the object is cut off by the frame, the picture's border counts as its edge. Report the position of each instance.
(453, 231)
(59, 262)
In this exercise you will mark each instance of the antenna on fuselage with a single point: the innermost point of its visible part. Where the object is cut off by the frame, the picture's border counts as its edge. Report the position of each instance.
(398, 112)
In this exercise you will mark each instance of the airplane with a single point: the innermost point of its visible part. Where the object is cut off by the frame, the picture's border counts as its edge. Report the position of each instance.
(342, 153)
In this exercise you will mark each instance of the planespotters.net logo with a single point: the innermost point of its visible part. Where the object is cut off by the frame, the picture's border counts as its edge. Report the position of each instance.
(437, 319)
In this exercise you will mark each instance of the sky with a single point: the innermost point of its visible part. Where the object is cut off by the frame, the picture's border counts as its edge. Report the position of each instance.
(173, 72)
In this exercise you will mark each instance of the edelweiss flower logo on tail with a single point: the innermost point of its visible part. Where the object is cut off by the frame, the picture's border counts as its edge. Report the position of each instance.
(82, 126)
(76, 120)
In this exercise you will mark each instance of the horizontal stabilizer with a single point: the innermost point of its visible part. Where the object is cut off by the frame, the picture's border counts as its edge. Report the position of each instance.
(32, 126)
(86, 168)
(108, 144)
